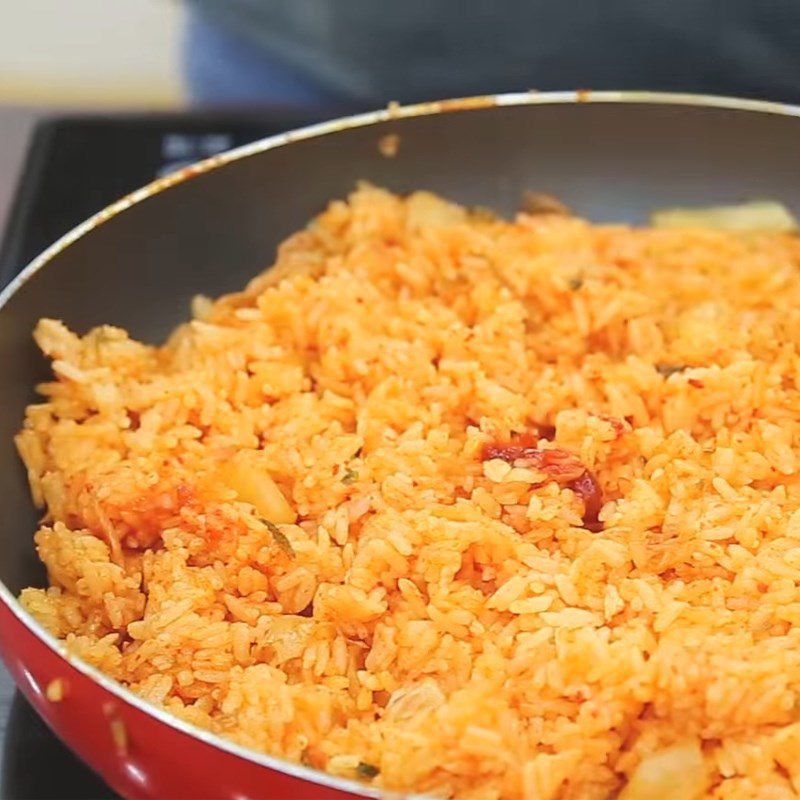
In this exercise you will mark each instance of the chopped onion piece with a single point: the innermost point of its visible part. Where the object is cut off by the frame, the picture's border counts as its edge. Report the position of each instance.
(409, 702)
(428, 210)
(256, 486)
(675, 773)
(201, 307)
(760, 215)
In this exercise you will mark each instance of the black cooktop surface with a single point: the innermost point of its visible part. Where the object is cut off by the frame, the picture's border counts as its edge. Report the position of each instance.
(74, 167)
(77, 165)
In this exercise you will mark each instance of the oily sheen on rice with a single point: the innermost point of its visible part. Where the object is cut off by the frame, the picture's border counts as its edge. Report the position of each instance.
(282, 525)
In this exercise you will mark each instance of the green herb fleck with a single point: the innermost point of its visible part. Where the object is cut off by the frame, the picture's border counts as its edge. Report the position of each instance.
(366, 771)
(575, 283)
(280, 538)
(350, 476)
(669, 369)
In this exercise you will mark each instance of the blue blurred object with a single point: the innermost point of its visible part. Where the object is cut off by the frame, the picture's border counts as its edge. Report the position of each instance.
(322, 52)
(225, 69)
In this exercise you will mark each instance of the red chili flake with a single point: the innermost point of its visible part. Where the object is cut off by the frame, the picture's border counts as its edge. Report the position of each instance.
(307, 612)
(616, 423)
(546, 431)
(698, 384)
(521, 446)
(507, 452)
(588, 489)
(186, 495)
(561, 465)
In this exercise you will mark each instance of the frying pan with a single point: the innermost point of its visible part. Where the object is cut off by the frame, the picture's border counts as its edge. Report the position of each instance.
(611, 156)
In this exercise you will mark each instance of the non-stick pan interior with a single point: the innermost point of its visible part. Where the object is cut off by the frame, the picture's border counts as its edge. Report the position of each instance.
(609, 161)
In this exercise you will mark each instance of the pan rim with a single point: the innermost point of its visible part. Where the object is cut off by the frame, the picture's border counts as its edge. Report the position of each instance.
(392, 112)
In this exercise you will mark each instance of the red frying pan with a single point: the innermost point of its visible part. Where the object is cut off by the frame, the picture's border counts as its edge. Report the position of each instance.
(610, 156)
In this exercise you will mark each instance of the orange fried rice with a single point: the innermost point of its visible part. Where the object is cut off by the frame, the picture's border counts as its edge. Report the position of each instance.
(294, 524)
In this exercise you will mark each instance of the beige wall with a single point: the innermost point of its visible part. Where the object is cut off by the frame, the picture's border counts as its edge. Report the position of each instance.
(91, 52)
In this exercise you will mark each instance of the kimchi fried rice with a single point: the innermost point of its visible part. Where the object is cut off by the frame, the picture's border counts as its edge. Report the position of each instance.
(450, 504)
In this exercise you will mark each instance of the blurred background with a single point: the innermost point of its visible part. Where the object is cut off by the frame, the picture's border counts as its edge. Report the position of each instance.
(86, 55)
(297, 60)
(91, 52)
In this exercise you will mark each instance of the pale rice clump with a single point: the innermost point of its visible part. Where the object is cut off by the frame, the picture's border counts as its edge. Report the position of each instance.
(295, 524)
